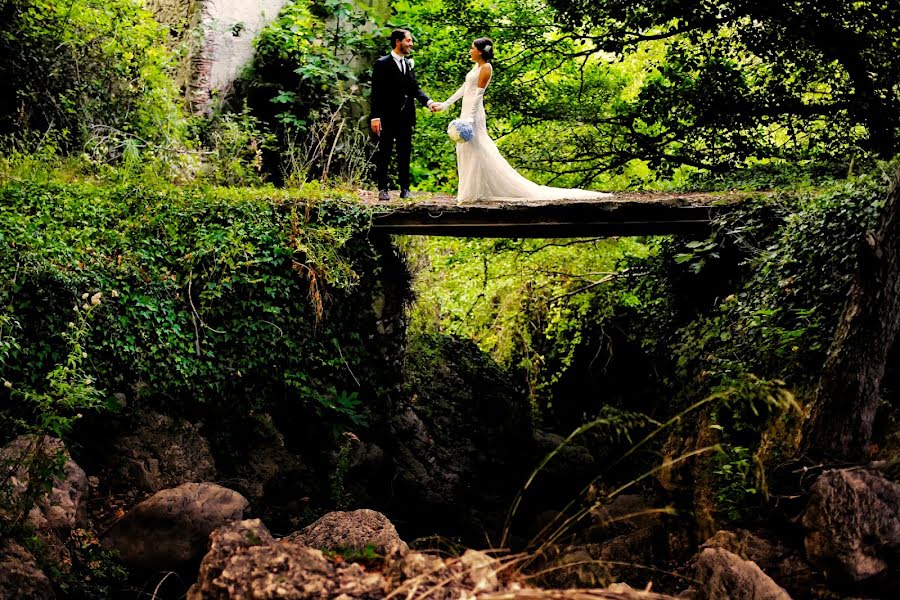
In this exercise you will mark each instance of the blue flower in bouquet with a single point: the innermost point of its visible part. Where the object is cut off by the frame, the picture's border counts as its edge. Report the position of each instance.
(460, 131)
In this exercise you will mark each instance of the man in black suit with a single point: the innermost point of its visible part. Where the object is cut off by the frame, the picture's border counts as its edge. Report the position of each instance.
(394, 91)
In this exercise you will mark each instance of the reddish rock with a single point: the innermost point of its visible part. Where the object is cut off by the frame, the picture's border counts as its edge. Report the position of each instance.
(62, 507)
(354, 530)
(172, 527)
(785, 566)
(245, 562)
(20, 578)
(726, 576)
(853, 524)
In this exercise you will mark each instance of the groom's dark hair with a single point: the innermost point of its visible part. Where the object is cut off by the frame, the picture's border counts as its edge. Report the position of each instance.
(397, 35)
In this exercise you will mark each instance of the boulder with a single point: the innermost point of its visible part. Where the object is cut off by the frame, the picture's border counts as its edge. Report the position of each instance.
(224, 542)
(244, 562)
(629, 532)
(20, 577)
(274, 478)
(615, 591)
(642, 546)
(62, 507)
(571, 458)
(353, 530)
(162, 452)
(726, 576)
(564, 476)
(271, 571)
(853, 525)
(784, 566)
(171, 528)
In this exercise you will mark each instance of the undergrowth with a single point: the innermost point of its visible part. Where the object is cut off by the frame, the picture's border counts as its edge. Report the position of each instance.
(652, 325)
(216, 299)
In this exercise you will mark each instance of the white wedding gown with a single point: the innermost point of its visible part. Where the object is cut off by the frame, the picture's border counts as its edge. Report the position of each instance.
(483, 172)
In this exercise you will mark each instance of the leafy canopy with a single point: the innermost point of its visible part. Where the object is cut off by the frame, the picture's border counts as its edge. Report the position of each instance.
(796, 79)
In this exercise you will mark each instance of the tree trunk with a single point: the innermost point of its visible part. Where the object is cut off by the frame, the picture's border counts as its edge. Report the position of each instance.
(840, 423)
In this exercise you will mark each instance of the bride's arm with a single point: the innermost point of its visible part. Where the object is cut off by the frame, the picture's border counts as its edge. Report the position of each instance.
(456, 96)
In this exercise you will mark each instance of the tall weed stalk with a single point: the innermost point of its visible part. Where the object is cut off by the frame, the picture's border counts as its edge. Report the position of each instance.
(619, 425)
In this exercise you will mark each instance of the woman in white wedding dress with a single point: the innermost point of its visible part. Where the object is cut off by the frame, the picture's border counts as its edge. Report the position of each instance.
(483, 173)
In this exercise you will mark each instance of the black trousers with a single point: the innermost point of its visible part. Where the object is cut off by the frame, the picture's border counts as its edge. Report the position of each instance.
(399, 136)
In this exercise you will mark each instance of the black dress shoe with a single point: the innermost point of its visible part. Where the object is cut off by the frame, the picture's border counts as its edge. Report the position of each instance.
(405, 194)
(384, 195)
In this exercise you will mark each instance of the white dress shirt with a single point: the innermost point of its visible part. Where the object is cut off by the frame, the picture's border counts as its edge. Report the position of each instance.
(399, 60)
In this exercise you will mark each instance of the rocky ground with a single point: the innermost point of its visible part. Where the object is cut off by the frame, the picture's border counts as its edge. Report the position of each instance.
(201, 531)
(455, 448)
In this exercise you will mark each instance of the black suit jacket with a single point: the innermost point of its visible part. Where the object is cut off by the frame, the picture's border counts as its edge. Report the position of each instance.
(394, 93)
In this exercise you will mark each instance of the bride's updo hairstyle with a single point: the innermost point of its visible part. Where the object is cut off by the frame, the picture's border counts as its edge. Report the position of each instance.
(486, 47)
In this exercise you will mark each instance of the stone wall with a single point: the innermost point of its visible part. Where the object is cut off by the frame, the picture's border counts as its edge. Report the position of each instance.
(215, 39)
(174, 14)
(229, 28)
(180, 18)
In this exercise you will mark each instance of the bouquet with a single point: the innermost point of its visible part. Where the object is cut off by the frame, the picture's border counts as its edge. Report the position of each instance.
(460, 131)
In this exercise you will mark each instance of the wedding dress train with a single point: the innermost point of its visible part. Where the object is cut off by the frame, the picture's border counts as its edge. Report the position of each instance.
(483, 172)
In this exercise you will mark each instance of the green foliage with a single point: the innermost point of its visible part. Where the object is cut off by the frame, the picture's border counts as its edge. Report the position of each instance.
(314, 55)
(8, 343)
(733, 468)
(367, 556)
(698, 252)
(542, 105)
(797, 256)
(43, 410)
(88, 570)
(235, 142)
(52, 406)
(738, 469)
(812, 81)
(103, 76)
(215, 300)
(339, 494)
(650, 326)
(304, 85)
(514, 299)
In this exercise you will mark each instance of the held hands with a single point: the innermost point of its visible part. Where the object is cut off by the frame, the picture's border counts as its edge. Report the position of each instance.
(434, 107)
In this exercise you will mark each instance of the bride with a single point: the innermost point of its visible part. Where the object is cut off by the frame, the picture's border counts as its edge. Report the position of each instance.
(483, 173)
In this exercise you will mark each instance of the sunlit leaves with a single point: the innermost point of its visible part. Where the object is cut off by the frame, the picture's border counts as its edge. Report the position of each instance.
(813, 80)
(524, 301)
(87, 68)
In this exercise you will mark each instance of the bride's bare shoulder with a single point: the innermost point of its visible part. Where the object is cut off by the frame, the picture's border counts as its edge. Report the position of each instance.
(484, 74)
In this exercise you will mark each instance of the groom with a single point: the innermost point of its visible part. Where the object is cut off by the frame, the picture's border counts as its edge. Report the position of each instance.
(394, 90)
